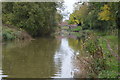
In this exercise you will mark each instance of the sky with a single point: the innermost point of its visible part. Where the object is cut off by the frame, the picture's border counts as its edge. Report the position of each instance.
(69, 8)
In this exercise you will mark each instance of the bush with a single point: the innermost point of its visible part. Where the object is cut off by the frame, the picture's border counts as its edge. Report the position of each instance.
(36, 18)
(8, 34)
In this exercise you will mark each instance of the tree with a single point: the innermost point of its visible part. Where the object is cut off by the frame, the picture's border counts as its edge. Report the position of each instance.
(78, 16)
(105, 14)
(37, 18)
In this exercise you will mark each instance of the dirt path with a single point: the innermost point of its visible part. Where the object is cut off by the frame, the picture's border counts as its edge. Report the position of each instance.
(111, 50)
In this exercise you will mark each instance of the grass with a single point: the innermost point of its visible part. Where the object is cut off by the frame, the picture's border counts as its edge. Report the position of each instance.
(109, 68)
(110, 61)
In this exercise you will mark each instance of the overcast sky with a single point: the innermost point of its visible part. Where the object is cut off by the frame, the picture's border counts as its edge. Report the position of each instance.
(69, 7)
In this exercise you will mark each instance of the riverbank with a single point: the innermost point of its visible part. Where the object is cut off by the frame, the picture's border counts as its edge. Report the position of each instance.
(99, 55)
(10, 32)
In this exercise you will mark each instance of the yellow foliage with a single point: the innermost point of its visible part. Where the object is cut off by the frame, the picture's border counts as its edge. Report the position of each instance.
(77, 21)
(105, 14)
(106, 7)
(78, 16)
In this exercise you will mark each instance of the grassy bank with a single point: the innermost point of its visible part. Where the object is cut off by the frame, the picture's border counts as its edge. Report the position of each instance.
(13, 33)
(109, 44)
(102, 51)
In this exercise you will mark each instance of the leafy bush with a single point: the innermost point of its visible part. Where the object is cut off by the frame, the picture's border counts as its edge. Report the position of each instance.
(8, 34)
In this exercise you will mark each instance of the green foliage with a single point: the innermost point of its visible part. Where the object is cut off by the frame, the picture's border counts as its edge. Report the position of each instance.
(11, 33)
(96, 16)
(71, 19)
(91, 47)
(101, 17)
(103, 63)
(111, 62)
(58, 17)
(36, 18)
(8, 34)
(107, 74)
(78, 16)
(105, 14)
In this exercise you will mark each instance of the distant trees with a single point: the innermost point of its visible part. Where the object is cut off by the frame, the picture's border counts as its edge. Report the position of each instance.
(37, 18)
(96, 15)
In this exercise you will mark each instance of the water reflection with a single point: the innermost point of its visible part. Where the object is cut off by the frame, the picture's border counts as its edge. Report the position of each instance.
(41, 58)
(33, 60)
(0, 74)
(63, 60)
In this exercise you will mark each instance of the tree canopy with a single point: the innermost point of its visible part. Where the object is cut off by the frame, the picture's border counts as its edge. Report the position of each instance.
(37, 18)
(92, 15)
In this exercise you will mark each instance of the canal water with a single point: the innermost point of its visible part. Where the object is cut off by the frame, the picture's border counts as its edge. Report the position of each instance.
(40, 58)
